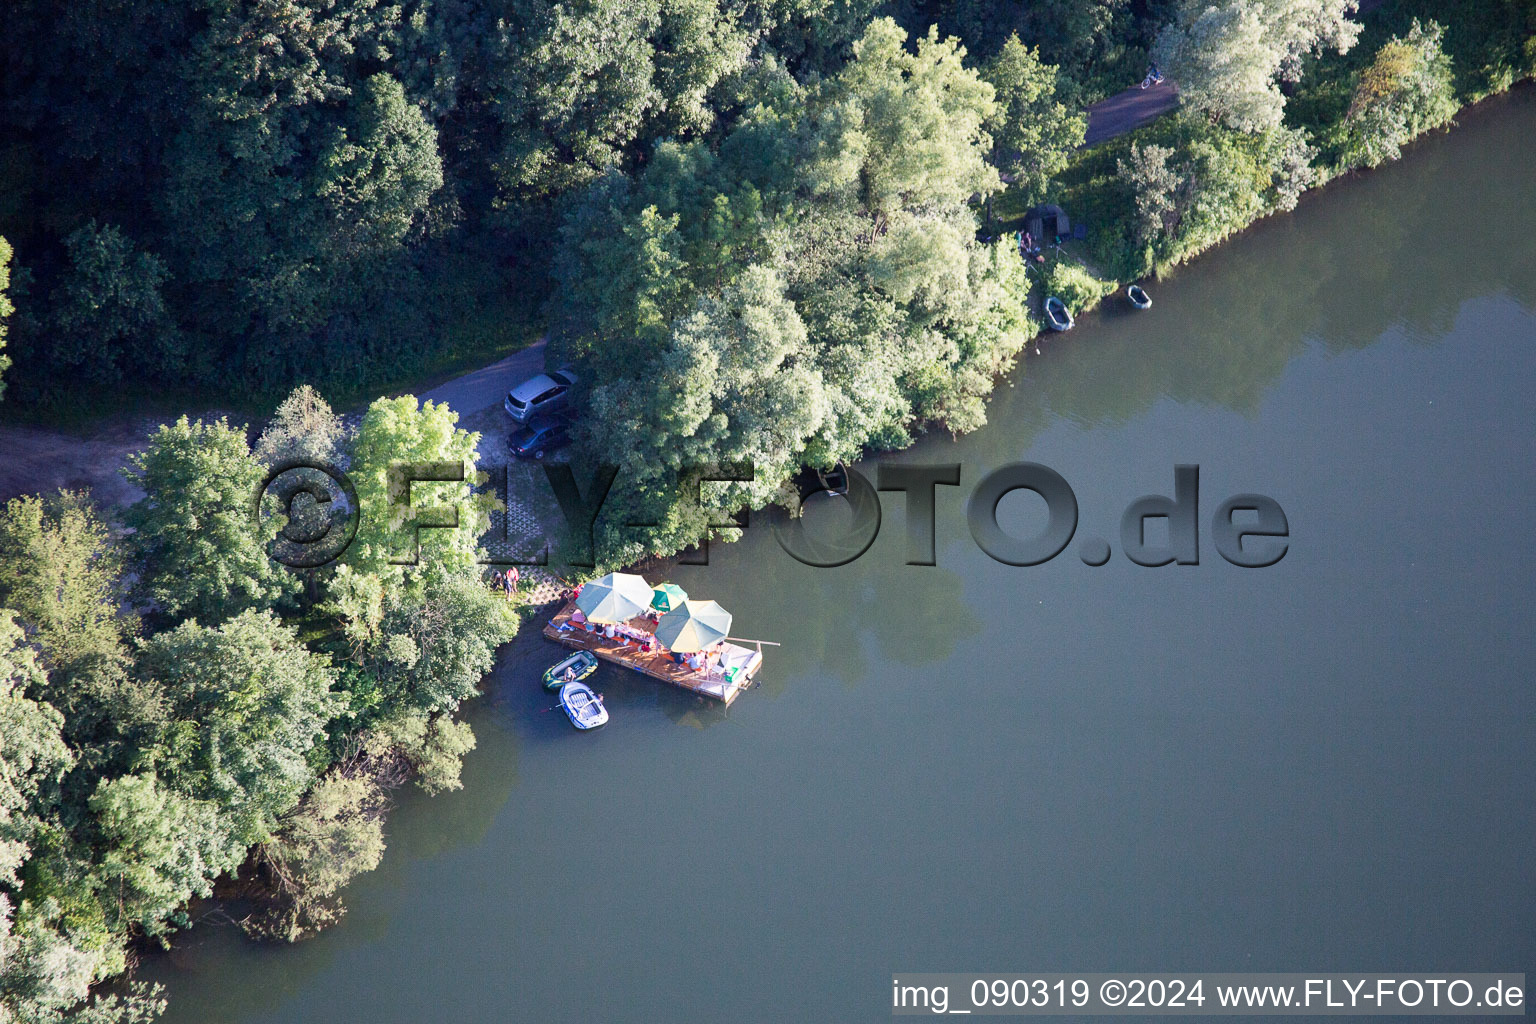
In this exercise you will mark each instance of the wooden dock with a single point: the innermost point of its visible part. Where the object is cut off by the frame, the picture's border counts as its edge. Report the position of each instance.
(656, 663)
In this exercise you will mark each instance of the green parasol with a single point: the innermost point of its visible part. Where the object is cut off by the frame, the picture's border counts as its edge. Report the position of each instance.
(666, 596)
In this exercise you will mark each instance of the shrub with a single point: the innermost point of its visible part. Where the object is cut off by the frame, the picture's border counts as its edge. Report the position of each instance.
(1074, 285)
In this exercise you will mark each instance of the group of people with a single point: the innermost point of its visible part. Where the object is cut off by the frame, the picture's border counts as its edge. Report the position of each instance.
(507, 582)
(1029, 247)
(699, 661)
(610, 631)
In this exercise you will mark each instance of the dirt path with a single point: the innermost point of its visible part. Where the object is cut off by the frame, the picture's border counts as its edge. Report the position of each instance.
(1130, 109)
(34, 460)
(38, 460)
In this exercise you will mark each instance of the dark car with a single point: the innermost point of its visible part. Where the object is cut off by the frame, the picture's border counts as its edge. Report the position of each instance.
(542, 434)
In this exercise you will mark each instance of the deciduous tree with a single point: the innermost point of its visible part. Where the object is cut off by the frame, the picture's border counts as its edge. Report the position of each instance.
(162, 848)
(1033, 132)
(60, 570)
(200, 547)
(303, 427)
(1229, 57)
(248, 709)
(398, 439)
(108, 311)
(1407, 89)
(335, 834)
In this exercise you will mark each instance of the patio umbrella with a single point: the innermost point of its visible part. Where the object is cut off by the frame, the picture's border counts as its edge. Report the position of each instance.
(666, 596)
(616, 597)
(693, 626)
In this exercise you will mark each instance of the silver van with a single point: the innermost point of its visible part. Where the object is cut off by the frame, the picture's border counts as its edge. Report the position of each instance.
(546, 393)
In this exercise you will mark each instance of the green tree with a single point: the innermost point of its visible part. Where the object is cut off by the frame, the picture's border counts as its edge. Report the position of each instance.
(1229, 58)
(1154, 188)
(908, 126)
(805, 285)
(1033, 133)
(47, 958)
(424, 647)
(1406, 90)
(303, 427)
(581, 87)
(162, 848)
(60, 570)
(293, 182)
(248, 710)
(199, 546)
(335, 834)
(399, 439)
(576, 83)
(108, 311)
(33, 756)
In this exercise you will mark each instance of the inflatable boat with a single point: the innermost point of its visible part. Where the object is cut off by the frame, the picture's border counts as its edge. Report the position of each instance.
(583, 707)
(1056, 313)
(579, 665)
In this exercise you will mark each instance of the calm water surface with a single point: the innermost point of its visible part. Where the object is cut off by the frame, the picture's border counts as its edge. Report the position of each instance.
(1325, 765)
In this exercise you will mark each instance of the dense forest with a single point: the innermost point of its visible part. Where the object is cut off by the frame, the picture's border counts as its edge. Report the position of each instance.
(768, 234)
(276, 192)
(177, 712)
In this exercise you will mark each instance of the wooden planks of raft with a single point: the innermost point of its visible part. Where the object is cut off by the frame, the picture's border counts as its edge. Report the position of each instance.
(657, 663)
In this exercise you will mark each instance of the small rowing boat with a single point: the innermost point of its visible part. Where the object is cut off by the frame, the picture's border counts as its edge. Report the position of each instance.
(583, 707)
(1056, 313)
(1138, 296)
(573, 669)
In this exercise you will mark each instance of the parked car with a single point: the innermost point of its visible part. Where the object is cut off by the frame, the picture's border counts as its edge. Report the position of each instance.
(546, 393)
(542, 434)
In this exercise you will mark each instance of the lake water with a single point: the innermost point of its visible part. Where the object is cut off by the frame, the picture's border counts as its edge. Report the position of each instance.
(1325, 765)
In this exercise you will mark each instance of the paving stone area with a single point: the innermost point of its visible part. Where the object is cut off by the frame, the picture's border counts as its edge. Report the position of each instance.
(521, 532)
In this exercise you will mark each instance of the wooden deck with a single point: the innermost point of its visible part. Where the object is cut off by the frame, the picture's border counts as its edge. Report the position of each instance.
(656, 663)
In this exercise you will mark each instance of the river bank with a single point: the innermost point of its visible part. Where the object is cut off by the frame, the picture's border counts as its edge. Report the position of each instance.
(1110, 288)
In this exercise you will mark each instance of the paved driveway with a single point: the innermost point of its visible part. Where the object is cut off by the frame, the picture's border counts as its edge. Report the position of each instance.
(1130, 109)
(485, 387)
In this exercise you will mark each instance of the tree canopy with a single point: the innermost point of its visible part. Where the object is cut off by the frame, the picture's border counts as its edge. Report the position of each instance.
(196, 533)
(755, 229)
(808, 285)
(1407, 89)
(1229, 58)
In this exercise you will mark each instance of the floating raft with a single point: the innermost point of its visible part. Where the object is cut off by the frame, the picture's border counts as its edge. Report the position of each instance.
(657, 663)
